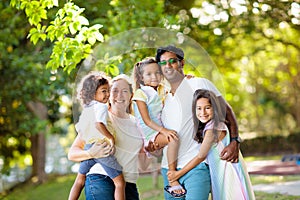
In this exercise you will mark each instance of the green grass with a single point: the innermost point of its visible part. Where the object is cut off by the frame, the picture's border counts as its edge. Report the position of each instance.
(57, 187)
(147, 190)
(256, 158)
(269, 179)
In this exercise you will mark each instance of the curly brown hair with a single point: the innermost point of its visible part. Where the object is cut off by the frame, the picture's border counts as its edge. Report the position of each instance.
(89, 84)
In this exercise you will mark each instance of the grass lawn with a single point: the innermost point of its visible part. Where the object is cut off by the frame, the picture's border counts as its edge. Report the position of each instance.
(58, 188)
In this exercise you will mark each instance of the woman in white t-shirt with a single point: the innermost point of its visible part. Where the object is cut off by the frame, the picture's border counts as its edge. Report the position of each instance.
(128, 147)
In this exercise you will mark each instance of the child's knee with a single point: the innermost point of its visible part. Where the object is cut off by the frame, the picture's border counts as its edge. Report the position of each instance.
(174, 142)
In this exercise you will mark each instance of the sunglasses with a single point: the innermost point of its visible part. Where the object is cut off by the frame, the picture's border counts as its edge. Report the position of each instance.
(170, 61)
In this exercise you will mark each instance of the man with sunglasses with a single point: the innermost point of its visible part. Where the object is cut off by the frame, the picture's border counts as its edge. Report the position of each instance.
(177, 115)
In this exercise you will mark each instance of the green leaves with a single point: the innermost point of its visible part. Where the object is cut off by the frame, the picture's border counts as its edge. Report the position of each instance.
(37, 33)
(35, 10)
(67, 53)
(73, 39)
(70, 17)
(91, 35)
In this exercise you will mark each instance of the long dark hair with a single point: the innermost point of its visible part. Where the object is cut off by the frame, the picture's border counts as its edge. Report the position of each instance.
(218, 116)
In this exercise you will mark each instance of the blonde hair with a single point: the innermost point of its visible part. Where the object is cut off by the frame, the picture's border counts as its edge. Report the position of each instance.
(128, 80)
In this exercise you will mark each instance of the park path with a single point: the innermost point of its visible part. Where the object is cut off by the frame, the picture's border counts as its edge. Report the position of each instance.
(266, 167)
(271, 167)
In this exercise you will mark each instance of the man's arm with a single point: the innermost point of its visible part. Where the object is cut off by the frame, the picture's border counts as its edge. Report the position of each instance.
(231, 152)
(231, 122)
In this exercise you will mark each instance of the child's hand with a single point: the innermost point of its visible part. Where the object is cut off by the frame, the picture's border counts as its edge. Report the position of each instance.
(189, 76)
(113, 150)
(169, 134)
(110, 140)
(152, 146)
(172, 175)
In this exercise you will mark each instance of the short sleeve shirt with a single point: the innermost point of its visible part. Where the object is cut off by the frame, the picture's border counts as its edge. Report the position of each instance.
(91, 114)
(177, 115)
(128, 145)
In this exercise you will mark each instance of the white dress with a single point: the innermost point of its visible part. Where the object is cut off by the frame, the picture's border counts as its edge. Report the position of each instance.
(230, 181)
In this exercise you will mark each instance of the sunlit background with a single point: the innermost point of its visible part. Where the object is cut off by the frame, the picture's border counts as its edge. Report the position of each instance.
(254, 46)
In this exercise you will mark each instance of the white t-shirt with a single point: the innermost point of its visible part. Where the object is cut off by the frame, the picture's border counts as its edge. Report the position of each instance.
(128, 144)
(86, 127)
(177, 115)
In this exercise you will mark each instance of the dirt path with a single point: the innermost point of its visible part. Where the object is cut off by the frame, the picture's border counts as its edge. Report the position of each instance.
(272, 167)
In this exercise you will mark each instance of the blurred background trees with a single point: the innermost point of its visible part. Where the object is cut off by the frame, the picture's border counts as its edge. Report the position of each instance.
(254, 43)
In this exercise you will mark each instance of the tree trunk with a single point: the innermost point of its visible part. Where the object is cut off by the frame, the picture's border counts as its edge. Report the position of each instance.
(38, 144)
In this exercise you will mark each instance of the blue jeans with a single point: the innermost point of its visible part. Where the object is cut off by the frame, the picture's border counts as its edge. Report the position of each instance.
(101, 187)
(109, 164)
(196, 182)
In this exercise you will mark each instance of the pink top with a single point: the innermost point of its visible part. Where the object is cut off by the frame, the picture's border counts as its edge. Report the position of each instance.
(210, 126)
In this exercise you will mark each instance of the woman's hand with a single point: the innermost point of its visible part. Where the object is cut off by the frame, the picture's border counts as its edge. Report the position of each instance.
(100, 150)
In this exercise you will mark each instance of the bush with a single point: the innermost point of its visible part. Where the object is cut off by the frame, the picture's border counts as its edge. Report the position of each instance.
(270, 145)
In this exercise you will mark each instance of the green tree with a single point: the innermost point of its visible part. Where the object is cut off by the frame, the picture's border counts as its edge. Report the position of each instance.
(30, 95)
(254, 44)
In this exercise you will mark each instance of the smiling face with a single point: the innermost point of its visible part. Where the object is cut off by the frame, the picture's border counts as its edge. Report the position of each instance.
(151, 75)
(171, 70)
(102, 93)
(204, 110)
(120, 95)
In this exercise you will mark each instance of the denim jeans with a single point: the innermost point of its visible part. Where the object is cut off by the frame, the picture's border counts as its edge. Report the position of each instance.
(101, 187)
(196, 182)
(109, 164)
